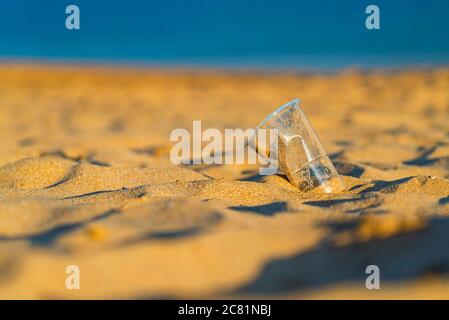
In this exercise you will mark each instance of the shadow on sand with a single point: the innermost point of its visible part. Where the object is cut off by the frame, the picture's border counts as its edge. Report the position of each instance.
(400, 257)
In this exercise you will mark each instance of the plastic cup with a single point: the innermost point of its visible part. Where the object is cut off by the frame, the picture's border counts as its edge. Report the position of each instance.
(300, 154)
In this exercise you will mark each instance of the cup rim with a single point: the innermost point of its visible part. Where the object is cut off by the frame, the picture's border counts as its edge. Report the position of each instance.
(275, 112)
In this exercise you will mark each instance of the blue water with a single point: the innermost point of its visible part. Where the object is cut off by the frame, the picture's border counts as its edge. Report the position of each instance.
(228, 33)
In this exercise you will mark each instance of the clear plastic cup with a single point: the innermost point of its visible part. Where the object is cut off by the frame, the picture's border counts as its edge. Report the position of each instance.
(300, 154)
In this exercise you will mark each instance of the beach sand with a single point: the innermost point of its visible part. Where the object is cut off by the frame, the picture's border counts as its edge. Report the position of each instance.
(86, 180)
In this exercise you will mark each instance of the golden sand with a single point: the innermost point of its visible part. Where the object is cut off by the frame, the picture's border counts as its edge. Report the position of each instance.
(85, 179)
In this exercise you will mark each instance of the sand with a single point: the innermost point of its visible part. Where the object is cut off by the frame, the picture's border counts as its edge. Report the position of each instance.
(86, 180)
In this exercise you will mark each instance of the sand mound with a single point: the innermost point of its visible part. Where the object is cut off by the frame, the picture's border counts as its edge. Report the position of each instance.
(34, 173)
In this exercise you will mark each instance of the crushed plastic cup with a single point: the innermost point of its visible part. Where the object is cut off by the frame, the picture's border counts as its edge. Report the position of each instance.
(300, 154)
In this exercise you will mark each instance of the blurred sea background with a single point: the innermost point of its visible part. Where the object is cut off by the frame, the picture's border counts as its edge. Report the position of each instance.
(285, 34)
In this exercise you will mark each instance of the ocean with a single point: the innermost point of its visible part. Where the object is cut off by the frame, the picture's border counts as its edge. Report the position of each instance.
(283, 34)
